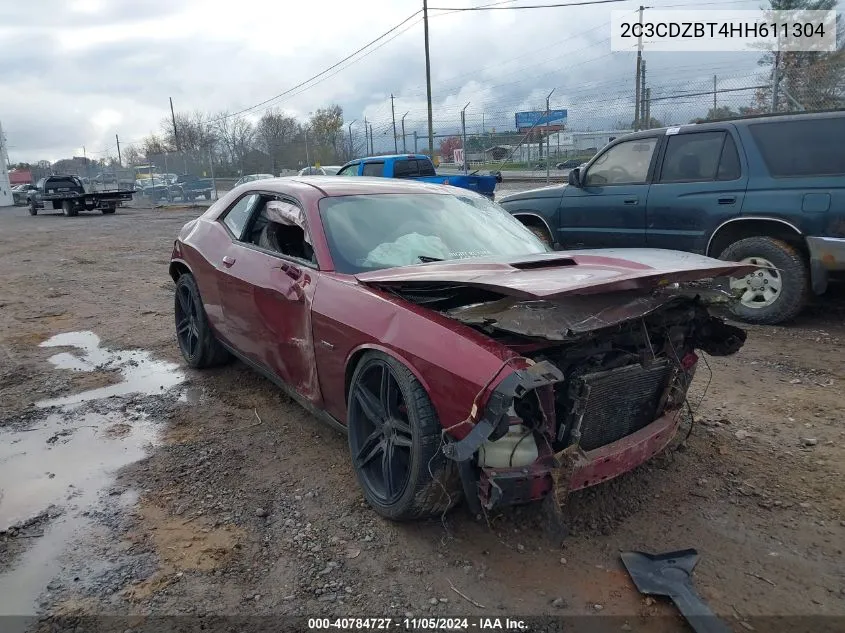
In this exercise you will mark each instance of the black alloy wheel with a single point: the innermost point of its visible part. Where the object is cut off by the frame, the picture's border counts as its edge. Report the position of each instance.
(395, 440)
(197, 342)
(384, 437)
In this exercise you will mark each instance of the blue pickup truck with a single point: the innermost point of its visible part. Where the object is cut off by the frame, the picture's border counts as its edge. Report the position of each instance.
(418, 167)
(768, 190)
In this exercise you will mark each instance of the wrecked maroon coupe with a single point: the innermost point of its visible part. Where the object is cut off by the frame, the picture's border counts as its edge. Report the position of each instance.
(462, 357)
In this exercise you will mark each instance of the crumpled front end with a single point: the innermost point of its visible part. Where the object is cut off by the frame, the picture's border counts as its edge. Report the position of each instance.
(601, 388)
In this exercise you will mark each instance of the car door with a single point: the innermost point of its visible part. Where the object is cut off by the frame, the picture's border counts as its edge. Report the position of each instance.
(701, 183)
(268, 290)
(609, 208)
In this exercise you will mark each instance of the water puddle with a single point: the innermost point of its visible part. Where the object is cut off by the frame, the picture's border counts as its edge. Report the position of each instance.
(140, 373)
(60, 466)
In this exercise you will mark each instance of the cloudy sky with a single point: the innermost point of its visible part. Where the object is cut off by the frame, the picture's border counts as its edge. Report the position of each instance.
(74, 73)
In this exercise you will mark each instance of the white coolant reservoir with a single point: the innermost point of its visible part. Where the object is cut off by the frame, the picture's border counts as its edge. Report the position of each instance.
(517, 448)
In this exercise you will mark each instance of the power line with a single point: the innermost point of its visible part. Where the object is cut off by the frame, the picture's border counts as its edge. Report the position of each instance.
(323, 72)
(532, 6)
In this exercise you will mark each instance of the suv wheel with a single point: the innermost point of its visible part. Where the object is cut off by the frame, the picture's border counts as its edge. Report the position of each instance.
(775, 293)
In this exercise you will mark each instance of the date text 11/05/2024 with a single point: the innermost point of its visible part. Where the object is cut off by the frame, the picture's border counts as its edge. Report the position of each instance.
(418, 624)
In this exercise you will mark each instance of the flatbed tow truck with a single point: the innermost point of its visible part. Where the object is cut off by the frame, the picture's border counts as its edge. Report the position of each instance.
(68, 194)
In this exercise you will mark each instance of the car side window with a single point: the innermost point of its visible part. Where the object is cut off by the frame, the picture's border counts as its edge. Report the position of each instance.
(238, 214)
(624, 164)
(692, 157)
(373, 169)
(349, 170)
(279, 227)
(729, 166)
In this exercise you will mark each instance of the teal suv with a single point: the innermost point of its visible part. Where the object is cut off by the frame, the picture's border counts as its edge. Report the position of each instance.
(768, 190)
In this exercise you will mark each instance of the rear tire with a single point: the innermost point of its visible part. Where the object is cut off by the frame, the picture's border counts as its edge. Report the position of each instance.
(207, 195)
(33, 208)
(69, 209)
(791, 274)
(108, 210)
(429, 481)
(197, 342)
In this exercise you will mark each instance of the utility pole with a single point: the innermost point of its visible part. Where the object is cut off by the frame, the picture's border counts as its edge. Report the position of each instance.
(643, 119)
(548, 157)
(415, 141)
(464, 135)
(119, 160)
(307, 159)
(366, 138)
(372, 141)
(393, 114)
(637, 75)
(175, 134)
(648, 104)
(404, 144)
(351, 146)
(428, 82)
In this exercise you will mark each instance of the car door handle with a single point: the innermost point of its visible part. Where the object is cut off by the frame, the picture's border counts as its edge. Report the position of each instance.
(228, 261)
(291, 271)
(631, 201)
(727, 200)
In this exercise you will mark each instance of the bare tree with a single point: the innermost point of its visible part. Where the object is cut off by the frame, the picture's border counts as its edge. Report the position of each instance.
(153, 145)
(237, 137)
(815, 80)
(132, 155)
(326, 126)
(276, 134)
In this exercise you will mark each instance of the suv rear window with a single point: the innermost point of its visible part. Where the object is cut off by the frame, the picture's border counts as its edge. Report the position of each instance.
(809, 147)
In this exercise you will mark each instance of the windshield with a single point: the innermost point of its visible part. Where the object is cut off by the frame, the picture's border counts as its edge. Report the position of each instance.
(375, 231)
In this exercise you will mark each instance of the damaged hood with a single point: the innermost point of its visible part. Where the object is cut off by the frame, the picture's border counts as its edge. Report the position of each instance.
(553, 275)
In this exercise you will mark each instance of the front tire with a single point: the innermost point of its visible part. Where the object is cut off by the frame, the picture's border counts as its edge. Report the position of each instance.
(776, 293)
(395, 440)
(197, 342)
(33, 208)
(108, 210)
(69, 209)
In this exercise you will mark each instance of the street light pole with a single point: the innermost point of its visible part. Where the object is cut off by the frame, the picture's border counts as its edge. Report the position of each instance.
(404, 144)
(307, 159)
(464, 135)
(393, 114)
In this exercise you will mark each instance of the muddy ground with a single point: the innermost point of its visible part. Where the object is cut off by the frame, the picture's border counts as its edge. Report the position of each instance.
(130, 485)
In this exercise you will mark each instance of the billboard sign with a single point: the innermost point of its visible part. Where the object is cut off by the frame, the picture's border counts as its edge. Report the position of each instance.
(526, 120)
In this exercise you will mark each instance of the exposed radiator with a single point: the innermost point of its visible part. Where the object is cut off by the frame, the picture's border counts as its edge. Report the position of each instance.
(618, 402)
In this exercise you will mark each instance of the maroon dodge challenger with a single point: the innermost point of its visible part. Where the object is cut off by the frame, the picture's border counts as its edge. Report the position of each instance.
(463, 358)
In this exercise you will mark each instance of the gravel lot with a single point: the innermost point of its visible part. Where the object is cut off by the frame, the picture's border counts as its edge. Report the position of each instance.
(130, 485)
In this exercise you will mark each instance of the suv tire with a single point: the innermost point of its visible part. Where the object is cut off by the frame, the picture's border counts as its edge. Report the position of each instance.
(791, 272)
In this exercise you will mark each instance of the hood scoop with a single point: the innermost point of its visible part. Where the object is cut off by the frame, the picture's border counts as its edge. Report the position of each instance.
(557, 262)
